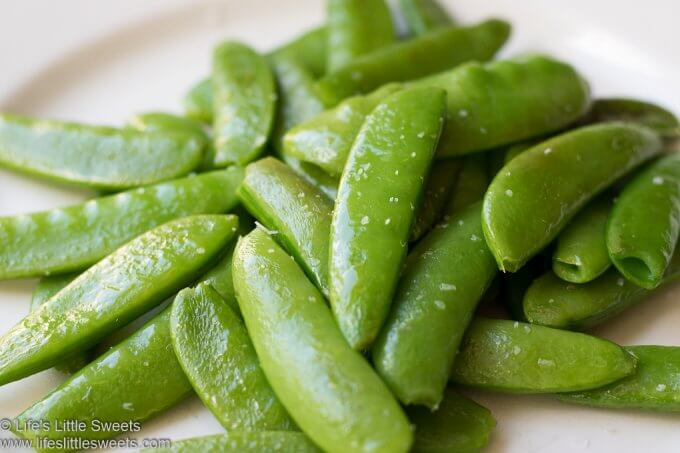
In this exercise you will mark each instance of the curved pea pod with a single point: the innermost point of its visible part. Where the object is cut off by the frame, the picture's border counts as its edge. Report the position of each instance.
(648, 114)
(329, 390)
(424, 16)
(314, 175)
(124, 285)
(515, 357)
(471, 184)
(244, 103)
(374, 209)
(414, 58)
(198, 102)
(243, 442)
(445, 277)
(75, 237)
(654, 386)
(538, 193)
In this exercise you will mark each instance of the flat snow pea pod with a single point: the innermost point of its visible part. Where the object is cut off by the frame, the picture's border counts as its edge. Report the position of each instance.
(643, 227)
(445, 277)
(654, 386)
(651, 115)
(95, 156)
(299, 213)
(328, 389)
(314, 175)
(244, 103)
(538, 193)
(75, 237)
(515, 357)
(374, 209)
(113, 292)
(415, 58)
(471, 184)
(243, 442)
(424, 16)
(198, 102)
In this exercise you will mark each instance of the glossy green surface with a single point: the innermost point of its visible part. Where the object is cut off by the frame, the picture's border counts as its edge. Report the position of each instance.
(75, 237)
(472, 182)
(424, 16)
(314, 175)
(243, 442)
(536, 194)
(632, 110)
(122, 286)
(374, 210)
(330, 390)
(515, 357)
(445, 276)
(198, 102)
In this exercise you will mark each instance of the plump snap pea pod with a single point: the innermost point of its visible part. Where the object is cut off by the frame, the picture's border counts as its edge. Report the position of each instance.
(131, 383)
(472, 182)
(122, 286)
(244, 103)
(95, 156)
(515, 357)
(644, 223)
(537, 193)
(243, 442)
(651, 115)
(413, 59)
(356, 27)
(374, 209)
(198, 102)
(654, 386)
(459, 425)
(314, 175)
(445, 277)
(298, 212)
(342, 406)
(424, 16)
(73, 238)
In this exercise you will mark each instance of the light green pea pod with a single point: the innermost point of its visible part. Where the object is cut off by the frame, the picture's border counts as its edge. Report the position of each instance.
(243, 442)
(651, 115)
(198, 102)
(473, 180)
(314, 175)
(424, 16)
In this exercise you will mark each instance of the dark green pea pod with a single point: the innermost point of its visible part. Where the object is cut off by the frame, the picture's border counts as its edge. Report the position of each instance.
(459, 425)
(536, 194)
(374, 209)
(445, 277)
(243, 442)
(113, 292)
(472, 182)
(644, 223)
(655, 385)
(342, 406)
(424, 16)
(648, 114)
(415, 58)
(95, 156)
(515, 357)
(198, 102)
(72, 238)
(314, 175)
(244, 103)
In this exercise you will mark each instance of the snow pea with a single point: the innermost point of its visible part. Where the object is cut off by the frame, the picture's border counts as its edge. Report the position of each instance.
(198, 102)
(424, 16)
(113, 292)
(329, 390)
(374, 209)
(243, 442)
(413, 59)
(95, 156)
(536, 194)
(445, 277)
(515, 357)
(244, 103)
(356, 27)
(472, 182)
(75, 237)
(651, 115)
(314, 175)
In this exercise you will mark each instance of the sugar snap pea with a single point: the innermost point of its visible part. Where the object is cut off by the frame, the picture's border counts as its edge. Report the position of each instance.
(374, 209)
(516, 357)
(471, 184)
(651, 115)
(424, 16)
(342, 406)
(243, 442)
(198, 102)
(314, 175)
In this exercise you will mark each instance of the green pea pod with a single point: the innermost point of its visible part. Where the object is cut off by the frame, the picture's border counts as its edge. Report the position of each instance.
(445, 277)
(651, 115)
(424, 16)
(538, 193)
(198, 102)
(243, 442)
(73, 238)
(413, 59)
(113, 292)
(244, 103)
(459, 425)
(374, 209)
(314, 175)
(328, 389)
(472, 182)
(95, 156)
(515, 357)
(356, 27)
(654, 386)
(581, 253)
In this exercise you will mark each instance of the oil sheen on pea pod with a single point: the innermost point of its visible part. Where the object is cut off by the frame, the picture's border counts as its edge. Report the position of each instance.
(536, 194)
(70, 239)
(515, 357)
(651, 115)
(643, 227)
(95, 156)
(113, 292)
(424, 16)
(244, 103)
(243, 442)
(472, 182)
(444, 278)
(330, 390)
(132, 382)
(314, 175)
(415, 58)
(375, 208)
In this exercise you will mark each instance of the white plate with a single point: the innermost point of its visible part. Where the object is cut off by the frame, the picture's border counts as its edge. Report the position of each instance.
(103, 61)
